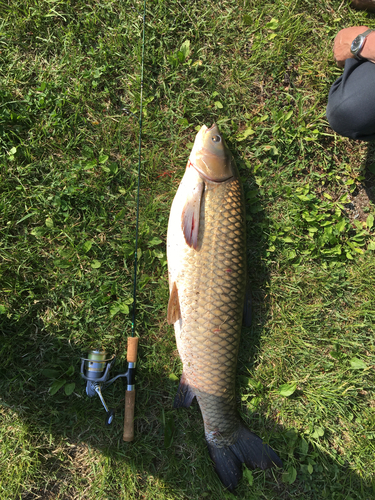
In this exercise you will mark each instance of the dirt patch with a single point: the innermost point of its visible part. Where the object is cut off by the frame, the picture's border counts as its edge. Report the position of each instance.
(363, 198)
(359, 205)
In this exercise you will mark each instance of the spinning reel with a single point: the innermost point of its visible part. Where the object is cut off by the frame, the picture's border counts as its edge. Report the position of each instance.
(95, 370)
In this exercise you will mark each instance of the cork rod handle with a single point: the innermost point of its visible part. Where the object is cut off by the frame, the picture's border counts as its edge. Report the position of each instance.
(132, 349)
(129, 416)
(130, 395)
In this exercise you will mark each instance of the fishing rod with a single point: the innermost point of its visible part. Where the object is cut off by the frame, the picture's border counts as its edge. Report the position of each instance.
(95, 368)
(128, 434)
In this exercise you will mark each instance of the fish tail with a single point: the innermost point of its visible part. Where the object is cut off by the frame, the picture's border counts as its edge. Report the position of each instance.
(248, 449)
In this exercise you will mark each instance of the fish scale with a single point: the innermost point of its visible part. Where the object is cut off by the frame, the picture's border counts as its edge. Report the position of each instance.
(207, 278)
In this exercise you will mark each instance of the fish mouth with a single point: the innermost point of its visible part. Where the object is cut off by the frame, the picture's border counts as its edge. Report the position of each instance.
(204, 129)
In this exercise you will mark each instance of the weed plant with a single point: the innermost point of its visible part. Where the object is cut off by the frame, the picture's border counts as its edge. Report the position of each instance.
(69, 111)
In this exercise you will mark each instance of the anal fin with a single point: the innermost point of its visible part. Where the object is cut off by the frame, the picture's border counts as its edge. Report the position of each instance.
(185, 394)
(174, 312)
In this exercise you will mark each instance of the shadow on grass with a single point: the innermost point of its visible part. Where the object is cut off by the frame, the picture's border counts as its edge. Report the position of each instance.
(63, 432)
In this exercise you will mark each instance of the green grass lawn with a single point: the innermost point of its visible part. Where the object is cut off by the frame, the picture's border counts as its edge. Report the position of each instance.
(69, 125)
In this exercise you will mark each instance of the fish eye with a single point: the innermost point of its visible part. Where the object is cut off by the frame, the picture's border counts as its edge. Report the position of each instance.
(216, 138)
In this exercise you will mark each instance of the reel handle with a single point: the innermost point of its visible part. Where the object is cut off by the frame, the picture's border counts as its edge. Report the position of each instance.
(130, 394)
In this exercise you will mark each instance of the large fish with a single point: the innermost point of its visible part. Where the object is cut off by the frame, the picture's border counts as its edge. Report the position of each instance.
(207, 279)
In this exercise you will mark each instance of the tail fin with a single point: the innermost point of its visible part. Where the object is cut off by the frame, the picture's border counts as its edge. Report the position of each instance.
(248, 449)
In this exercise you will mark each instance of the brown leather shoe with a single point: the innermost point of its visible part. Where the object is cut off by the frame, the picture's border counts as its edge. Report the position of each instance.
(364, 5)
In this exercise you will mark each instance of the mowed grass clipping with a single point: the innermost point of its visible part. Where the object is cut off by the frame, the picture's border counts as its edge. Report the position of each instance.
(69, 125)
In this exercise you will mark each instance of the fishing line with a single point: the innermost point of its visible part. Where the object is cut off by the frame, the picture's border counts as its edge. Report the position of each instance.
(139, 175)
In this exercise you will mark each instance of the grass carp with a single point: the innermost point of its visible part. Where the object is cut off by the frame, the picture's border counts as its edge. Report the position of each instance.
(207, 278)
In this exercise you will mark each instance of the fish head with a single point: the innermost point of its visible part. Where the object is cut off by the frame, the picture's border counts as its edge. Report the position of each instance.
(210, 155)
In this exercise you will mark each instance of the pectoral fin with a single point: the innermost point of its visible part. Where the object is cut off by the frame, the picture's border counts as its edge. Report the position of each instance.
(174, 312)
(190, 215)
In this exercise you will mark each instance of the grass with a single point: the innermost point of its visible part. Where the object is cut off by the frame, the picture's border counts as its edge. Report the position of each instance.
(70, 94)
